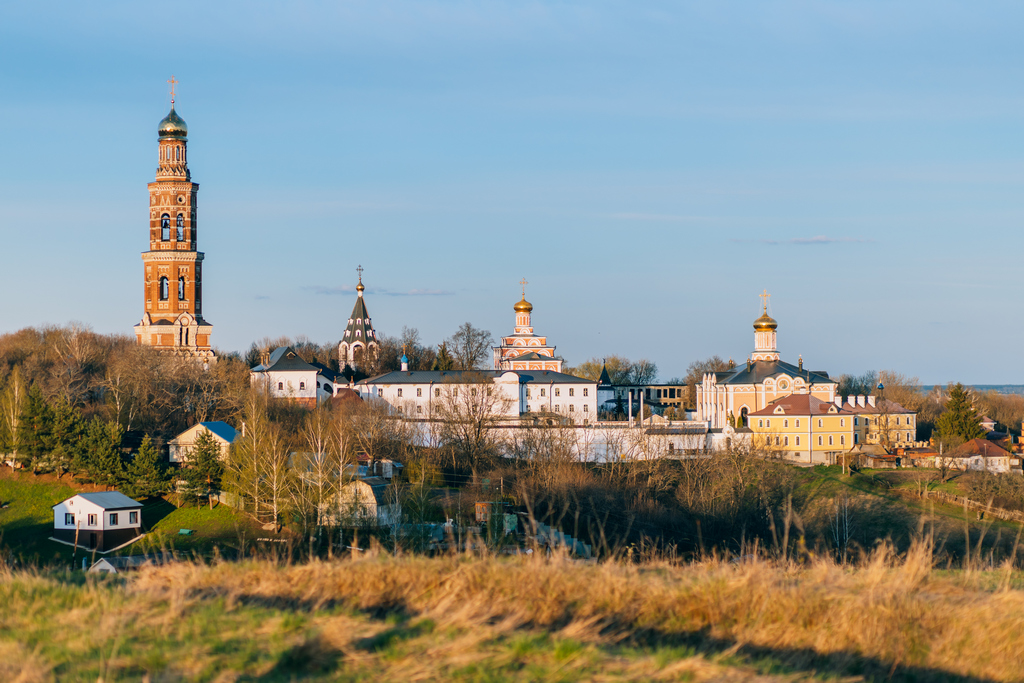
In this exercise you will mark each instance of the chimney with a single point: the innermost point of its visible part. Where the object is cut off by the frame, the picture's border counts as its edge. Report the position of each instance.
(860, 400)
(264, 358)
(839, 401)
(871, 400)
(851, 401)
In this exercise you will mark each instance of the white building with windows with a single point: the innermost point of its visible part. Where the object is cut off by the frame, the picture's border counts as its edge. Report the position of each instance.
(288, 376)
(98, 521)
(518, 393)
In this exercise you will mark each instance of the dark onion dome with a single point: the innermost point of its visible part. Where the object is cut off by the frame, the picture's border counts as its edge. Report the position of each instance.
(173, 126)
(523, 306)
(765, 323)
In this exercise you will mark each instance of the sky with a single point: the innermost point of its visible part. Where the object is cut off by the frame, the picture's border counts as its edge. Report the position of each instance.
(650, 168)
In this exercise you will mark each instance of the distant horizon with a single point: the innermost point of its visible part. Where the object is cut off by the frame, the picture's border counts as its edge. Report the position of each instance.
(650, 170)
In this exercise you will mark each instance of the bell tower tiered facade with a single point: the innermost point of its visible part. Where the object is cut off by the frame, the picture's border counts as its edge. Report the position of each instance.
(173, 292)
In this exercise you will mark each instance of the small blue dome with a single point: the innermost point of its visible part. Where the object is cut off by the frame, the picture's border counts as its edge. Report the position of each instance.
(404, 359)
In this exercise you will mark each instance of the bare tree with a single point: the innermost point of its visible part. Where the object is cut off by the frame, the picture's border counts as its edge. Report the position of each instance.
(467, 413)
(11, 405)
(470, 347)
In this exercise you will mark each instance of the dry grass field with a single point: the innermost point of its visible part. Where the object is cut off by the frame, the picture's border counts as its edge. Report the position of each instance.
(380, 617)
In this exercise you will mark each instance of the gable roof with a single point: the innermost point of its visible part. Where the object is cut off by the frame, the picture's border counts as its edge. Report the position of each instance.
(222, 429)
(800, 404)
(107, 500)
(760, 370)
(283, 359)
(982, 447)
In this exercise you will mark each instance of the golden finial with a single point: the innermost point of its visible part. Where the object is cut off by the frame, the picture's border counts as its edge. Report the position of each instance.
(523, 282)
(359, 287)
(764, 300)
(173, 83)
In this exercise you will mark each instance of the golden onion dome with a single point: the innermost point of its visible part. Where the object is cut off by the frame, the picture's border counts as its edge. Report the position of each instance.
(765, 323)
(173, 126)
(523, 306)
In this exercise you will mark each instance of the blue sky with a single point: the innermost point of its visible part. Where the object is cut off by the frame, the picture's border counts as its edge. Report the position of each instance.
(650, 168)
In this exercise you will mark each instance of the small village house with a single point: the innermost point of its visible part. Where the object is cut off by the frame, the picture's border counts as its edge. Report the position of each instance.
(368, 502)
(102, 521)
(223, 433)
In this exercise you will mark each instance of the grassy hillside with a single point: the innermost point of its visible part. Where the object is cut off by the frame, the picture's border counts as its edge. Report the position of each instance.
(379, 617)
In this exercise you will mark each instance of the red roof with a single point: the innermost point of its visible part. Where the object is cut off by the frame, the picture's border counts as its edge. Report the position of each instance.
(982, 447)
(800, 404)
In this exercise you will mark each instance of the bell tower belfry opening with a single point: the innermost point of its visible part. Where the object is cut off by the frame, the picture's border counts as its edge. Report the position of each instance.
(173, 268)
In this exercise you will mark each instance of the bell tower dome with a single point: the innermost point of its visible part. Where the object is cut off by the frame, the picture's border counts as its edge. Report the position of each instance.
(765, 343)
(172, 289)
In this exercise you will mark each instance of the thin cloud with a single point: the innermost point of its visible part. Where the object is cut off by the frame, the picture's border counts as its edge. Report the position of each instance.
(349, 289)
(818, 239)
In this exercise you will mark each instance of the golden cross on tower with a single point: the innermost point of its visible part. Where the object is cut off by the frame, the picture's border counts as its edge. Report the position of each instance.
(359, 269)
(523, 282)
(764, 300)
(173, 83)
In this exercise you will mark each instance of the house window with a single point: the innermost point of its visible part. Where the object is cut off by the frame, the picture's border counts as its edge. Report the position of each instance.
(897, 421)
(163, 288)
(768, 423)
(69, 518)
(829, 439)
(842, 422)
(776, 441)
(798, 441)
(842, 439)
(437, 393)
(558, 408)
(572, 408)
(586, 409)
(113, 519)
(542, 392)
(819, 423)
(819, 441)
(92, 520)
(856, 438)
(798, 424)
(528, 392)
(897, 436)
(419, 409)
(133, 517)
(785, 423)
(785, 441)
(760, 423)
(165, 227)
(586, 391)
(399, 409)
(280, 386)
(856, 421)
(419, 392)
(181, 289)
(908, 437)
(572, 392)
(558, 392)
(399, 393)
(302, 386)
(380, 392)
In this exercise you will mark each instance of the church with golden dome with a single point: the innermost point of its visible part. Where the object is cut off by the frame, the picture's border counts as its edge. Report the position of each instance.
(729, 397)
(524, 350)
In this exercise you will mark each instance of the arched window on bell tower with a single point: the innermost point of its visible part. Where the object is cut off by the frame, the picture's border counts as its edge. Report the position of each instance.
(163, 288)
(181, 227)
(165, 227)
(181, 289)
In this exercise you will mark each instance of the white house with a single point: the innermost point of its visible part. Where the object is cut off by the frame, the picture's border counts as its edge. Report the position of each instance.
(421, 394)
(368, 502)
(223, 433)
(101, 521)
(288, 376)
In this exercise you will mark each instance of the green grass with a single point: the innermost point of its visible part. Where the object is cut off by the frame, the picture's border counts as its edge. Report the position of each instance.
(222, 528)
(27, 522)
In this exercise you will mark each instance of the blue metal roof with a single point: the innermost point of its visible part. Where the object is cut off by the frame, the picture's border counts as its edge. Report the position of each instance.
(222, 429)
(110, 500)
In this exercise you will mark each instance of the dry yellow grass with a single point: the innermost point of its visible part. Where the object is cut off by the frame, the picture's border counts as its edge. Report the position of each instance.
(473, 618)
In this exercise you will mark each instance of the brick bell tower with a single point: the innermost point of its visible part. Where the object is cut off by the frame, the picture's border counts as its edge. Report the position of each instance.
(173, 291)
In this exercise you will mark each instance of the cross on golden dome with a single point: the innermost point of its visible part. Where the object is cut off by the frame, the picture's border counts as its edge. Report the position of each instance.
(523, 282)
(764, 300)
(173, 83)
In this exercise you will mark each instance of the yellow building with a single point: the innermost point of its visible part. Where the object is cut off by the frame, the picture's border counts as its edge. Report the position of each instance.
(881, 423)
(731, 396)
(803, 428)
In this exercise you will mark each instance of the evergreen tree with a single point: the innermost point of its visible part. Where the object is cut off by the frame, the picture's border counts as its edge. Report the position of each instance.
(67, 435)
(960, 421)
(35, 429)
(99, 459)
(444, 360)
(146, 476)
(204, 470)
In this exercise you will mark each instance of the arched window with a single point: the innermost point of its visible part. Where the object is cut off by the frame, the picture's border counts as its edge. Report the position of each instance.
(181, 289)
(165, 227)
(181, 227)
(785, 423)
(163, 288)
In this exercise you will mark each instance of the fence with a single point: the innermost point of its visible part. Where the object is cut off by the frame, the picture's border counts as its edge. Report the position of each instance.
(963, 501)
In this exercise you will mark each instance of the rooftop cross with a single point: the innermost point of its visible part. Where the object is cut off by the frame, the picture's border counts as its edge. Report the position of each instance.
(523, 282)
(359, 269)
(764, 300)
(173, 83)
